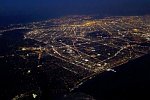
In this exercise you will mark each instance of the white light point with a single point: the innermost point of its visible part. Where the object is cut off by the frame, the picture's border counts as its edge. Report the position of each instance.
(98, 54)
(29, 71)
(34, 95)
(111, 70)
(86, 60)
(99, 65)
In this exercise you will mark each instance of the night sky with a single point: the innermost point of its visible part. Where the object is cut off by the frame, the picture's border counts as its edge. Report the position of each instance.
(38, 9)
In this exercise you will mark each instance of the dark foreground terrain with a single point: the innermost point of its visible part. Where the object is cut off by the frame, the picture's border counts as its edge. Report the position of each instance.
(131, 82)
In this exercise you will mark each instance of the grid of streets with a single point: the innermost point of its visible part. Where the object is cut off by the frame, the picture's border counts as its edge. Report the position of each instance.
(93, 45)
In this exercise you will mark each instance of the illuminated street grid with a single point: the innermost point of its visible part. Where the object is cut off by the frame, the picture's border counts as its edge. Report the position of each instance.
(93, 45)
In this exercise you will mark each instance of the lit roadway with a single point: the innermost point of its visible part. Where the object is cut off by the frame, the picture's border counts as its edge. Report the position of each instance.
(95, 45)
